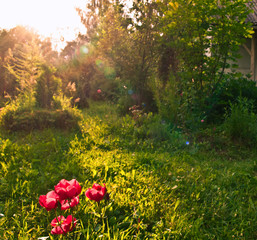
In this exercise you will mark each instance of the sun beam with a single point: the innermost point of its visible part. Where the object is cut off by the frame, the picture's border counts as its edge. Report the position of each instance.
(57, 19)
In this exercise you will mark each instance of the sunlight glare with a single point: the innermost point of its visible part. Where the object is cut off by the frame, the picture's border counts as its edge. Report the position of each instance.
(57, 19)
(84, 50)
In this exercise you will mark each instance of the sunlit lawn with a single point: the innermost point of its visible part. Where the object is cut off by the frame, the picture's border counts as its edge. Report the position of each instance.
(157, 191)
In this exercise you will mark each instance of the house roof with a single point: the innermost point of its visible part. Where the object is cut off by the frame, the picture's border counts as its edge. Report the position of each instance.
(252, 17)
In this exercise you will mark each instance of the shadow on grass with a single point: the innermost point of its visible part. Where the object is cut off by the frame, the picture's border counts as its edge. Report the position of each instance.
(157, 190)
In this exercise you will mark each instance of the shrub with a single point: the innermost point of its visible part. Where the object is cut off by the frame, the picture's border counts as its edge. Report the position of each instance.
(233, 87)
(241, 122)
(27, 120)
(21, 114)
(159, 130)
(47, 86)
(124, 103)
(61, 102)
(167, 99)
(147, 130)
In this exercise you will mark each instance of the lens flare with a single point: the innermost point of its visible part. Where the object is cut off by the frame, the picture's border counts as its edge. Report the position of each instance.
(99, 63)
(84, 50)
(109, 72)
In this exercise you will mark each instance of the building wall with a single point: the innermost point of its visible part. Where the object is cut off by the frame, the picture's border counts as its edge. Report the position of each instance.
(244, 62)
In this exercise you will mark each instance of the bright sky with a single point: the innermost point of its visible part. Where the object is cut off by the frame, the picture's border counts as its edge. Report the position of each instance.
(50, 18)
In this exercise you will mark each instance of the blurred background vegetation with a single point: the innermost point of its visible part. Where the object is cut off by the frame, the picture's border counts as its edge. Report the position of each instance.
(166, 57)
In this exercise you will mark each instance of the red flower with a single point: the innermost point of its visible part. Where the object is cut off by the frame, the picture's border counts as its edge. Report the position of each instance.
(69, 203)
(63, 225)
(68, 189)
(49, 201)
(99, 91)
(96, 193)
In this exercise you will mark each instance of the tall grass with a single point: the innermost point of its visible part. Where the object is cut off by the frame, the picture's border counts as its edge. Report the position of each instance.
(158, 189)
(241, 121)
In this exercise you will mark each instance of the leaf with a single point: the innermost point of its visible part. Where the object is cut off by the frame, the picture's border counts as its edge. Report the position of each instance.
(176, 205)
(251, 203)
(4, 167)
(133, 174)
(98, 228)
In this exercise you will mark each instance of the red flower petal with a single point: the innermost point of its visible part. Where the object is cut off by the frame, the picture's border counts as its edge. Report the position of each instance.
(49, 201)
(52, 194)
(62, 225)
(42, 200)
(57, 221)
(63, 183)
(69, 203)
(57, 230)
(68, 189)
(96, 193)
(97, 186)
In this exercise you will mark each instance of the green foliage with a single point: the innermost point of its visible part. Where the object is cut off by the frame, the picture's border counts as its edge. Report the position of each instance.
(61, 102)
(47, 85)
(31, 119)
(85, 73)
(170, 55)
(176, 106)
(130, 53)
(21, 53)
(168, 100)
(232, 87)
(241, 122)
(163, 184)
(21, 103)
(10, 41)
(155, 193)
(124, 103)
(198, 39)
(23, 63)
(153, 127)
(21, 114)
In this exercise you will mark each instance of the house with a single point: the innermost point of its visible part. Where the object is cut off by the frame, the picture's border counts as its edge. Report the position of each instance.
(248, 62)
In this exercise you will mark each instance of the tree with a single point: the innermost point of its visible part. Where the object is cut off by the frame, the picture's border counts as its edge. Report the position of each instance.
(201, 36)
(23, 63)
(129, 50)
(20, 49)
(90, 17)
(8, 40)
(47, 85)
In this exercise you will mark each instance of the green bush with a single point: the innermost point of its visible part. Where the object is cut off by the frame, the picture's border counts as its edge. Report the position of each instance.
(160, 130)
(22, 114)
(28, 119)
(124, 103)
(167, 98)
(47, 86)
(241, 122)
(146, 131)
(233, 86)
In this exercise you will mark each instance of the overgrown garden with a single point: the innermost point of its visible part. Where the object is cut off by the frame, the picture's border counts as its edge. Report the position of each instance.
(140, 129)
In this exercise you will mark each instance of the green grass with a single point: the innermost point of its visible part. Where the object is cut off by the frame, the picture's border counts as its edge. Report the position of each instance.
(158, 189)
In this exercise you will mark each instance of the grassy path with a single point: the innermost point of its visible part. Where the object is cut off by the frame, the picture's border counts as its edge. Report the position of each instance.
(157, 190)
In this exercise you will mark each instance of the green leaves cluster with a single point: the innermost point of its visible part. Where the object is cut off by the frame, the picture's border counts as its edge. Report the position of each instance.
(204, 37)
(164, 48)
(206, 34)
(22, 54)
